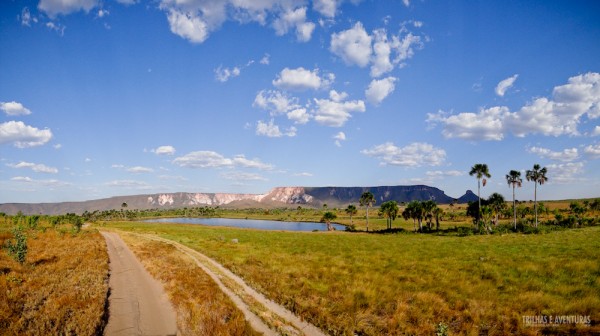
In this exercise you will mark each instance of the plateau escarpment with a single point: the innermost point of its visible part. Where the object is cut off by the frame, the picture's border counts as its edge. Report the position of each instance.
(276, 197)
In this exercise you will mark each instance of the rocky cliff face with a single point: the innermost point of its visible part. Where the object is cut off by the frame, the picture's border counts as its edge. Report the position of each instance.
(280, 196)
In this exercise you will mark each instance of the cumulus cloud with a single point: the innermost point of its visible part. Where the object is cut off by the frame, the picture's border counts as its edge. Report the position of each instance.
(299, 116)
(55, 7)
(352, 45)
(554, 116)
(36, 167)
(129, 184)
(272, 130)
(276, 102)
(188, 26)
(438, 174)
(593, 151)
(294, 18)
(139, 170)
(25, 17)
(304, 174)
(223, 74)
(43, 183)
(565, 172)
(327, 8)
(596, 131)
(357, 47)
(301, 79)
(567, 155)
(14, 109)
(22, 135)
(379, 89)
(335, 111)
(242, 176)
(413, 155)
(164, 150)
(505, 85)
(339, 137)
(210, 159)
(265, 60)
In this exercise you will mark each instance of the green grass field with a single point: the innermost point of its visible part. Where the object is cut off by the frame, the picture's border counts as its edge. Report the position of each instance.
(374, 284)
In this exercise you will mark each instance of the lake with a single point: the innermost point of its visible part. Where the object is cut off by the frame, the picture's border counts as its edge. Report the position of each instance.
(250, 223)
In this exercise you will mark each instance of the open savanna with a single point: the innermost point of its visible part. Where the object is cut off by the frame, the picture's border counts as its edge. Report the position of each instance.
(60, 289)
(202, 309)
(375, 284)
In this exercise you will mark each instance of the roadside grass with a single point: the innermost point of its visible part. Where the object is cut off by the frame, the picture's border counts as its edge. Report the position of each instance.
(61, 289)
(370, 284)
(201, 307)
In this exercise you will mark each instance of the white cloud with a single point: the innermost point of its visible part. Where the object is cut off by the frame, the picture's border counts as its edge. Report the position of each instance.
(210, 159)
(265, 60)
(304, 174)
(52, 183)
(301, 79)
(406, 2)
(385, 53)
(272, 131)
(565, 172)
(414, 155)
(487, 124)
(352, 45)
(54, 7)
(25, 17)
(102, 13)
(334, 111)
(294, 18)
(14, 109)
(593, 151)
(596, 131)
(379, 89)
(567, 155)
(242, 176)
(223, 74)
(129, 184)
(438, 174)
(57, 27)
(36, 167)
(188, 26)
(139, 170)
(327, 8)
(22, 135)
(505, 85)
(57, 146)
(299, 116)
(339, 137)
(164, 150)
(275, 102)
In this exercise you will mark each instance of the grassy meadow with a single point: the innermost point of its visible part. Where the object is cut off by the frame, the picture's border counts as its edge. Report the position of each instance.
(60, 289)
(376, 284)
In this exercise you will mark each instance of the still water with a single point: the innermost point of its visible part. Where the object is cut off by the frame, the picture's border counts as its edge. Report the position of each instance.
(250, 223)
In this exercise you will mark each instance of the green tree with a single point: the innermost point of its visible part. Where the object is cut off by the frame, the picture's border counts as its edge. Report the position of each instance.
(414, 210)
(428, 209)
(513, 178)
(497, 204)
(351, 211)
(327, 218)
(367, 199)
(480, 171)
(537, 175)
(390, 209)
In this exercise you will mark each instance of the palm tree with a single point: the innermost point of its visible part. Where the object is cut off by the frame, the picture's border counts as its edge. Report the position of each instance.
(351, 211)
(537, 175)
(414, 210)
(514, 179)
(480, 170)
(368, 200)
(496, 203)
(390, 210)
(428, 209)
(327, 218)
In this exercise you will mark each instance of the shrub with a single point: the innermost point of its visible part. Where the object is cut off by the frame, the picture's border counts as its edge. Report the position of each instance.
(18, 249)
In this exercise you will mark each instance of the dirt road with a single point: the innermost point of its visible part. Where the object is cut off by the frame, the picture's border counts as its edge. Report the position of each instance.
(138, 304)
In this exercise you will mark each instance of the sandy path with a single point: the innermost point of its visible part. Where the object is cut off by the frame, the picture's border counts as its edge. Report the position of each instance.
(138, 304)
(295, 326)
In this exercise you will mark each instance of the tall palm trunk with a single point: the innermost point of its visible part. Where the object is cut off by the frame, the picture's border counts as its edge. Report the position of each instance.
(514, 208)
(535, 203)
(367, 218)
(478, 200)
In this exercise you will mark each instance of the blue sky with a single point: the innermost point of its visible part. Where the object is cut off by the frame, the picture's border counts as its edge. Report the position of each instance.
(105, 98)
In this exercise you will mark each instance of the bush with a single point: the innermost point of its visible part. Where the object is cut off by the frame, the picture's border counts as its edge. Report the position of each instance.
(18, 249)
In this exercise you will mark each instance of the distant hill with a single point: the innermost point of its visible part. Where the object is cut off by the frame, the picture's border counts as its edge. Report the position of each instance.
(277, 197)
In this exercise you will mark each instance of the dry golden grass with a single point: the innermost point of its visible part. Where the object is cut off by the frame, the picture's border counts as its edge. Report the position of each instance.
(202, 309)
(60, 290)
